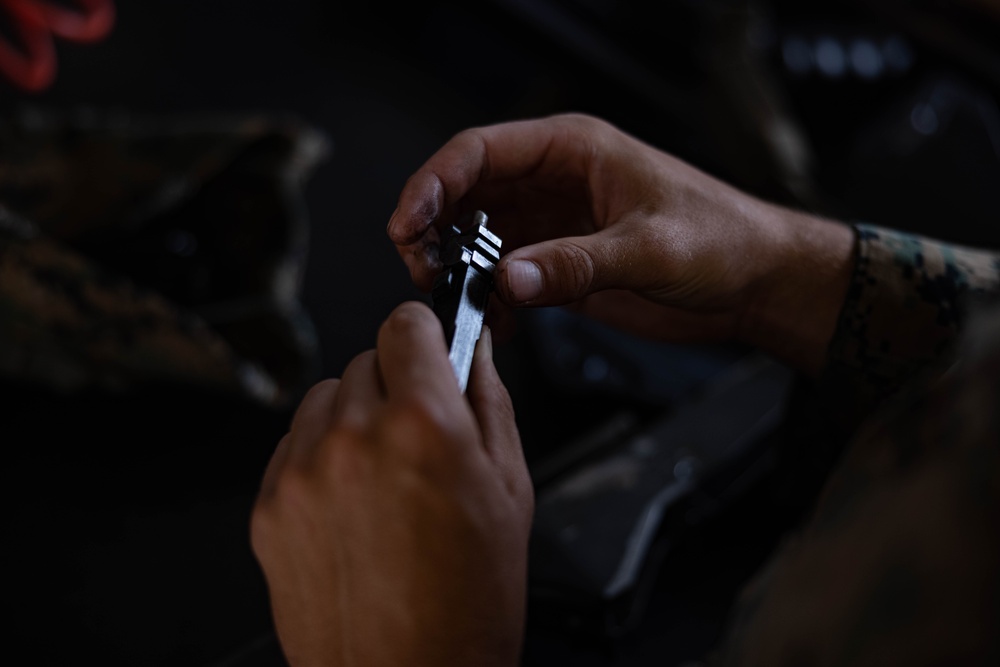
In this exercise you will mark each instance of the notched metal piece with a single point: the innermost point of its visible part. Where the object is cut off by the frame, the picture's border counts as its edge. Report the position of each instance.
(462, 290)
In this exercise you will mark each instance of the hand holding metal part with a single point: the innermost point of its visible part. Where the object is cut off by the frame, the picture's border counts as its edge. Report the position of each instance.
(462, 291)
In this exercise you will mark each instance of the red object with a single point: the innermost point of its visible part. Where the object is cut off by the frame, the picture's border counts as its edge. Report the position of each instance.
(36, 22)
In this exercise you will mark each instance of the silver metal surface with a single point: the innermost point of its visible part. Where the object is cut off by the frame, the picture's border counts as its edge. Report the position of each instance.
(462, 291)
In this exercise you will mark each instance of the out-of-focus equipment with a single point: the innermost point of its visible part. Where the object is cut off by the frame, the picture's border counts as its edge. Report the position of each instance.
(118, 269)
(36, 23)
(614, 503)
(462, 290)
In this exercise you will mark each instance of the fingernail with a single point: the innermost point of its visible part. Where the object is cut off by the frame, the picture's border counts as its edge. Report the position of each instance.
(524, 280)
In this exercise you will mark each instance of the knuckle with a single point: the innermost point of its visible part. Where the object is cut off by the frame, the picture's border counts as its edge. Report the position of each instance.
(502, 401)
(271, 514)
(412, 181)
(320, 393)
(419, 430)
(518, 495)
(293, 490)
(321, 388)
(472, 136)
(575, 268)
(595, 137)
(585, 124)
(579, 119)
(344, 443)
(261, 529)
(358, 364)
(407, 317)
(423, 415)
(416, 179)
(344, 458)
(474, 142)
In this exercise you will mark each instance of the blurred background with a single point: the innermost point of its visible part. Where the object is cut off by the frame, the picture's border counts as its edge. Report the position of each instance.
(192, 215)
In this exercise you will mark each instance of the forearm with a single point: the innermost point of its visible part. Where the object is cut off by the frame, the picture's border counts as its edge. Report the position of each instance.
(865, 309)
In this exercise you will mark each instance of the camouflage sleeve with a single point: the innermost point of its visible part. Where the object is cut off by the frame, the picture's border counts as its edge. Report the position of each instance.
(907, 302)
(900, 563)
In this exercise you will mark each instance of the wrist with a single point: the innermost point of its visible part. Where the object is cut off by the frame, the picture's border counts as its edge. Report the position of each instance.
(794, 307)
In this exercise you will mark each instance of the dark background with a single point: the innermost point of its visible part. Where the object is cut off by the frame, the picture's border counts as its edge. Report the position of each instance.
(130, 534)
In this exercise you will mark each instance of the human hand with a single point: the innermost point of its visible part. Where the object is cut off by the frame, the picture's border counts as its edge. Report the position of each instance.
(392, 522)
(592, 217)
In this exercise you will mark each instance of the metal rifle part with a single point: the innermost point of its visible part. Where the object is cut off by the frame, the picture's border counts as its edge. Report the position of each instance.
(462, 290)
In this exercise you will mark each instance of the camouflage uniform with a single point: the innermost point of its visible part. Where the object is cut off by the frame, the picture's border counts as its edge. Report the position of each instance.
(149, 252)
(900, 562)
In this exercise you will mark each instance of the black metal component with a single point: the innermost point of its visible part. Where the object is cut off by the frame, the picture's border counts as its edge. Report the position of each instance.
(463, 289)
(635, 489)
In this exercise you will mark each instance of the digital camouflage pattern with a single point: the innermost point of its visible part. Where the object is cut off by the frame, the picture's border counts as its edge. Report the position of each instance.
(900, 562)
(137, 251)
(905, 307)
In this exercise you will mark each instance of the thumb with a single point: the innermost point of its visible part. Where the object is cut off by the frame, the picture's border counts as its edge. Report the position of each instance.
(561, 271)
(494, 411)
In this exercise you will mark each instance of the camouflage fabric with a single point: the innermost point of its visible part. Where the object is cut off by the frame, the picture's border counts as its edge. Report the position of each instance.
(137, 251)
(906, 304)
(900, 563)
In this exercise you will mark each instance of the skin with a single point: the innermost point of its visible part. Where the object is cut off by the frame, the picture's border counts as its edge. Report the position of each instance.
(632, 236)
(392, 523)
(394, 516)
